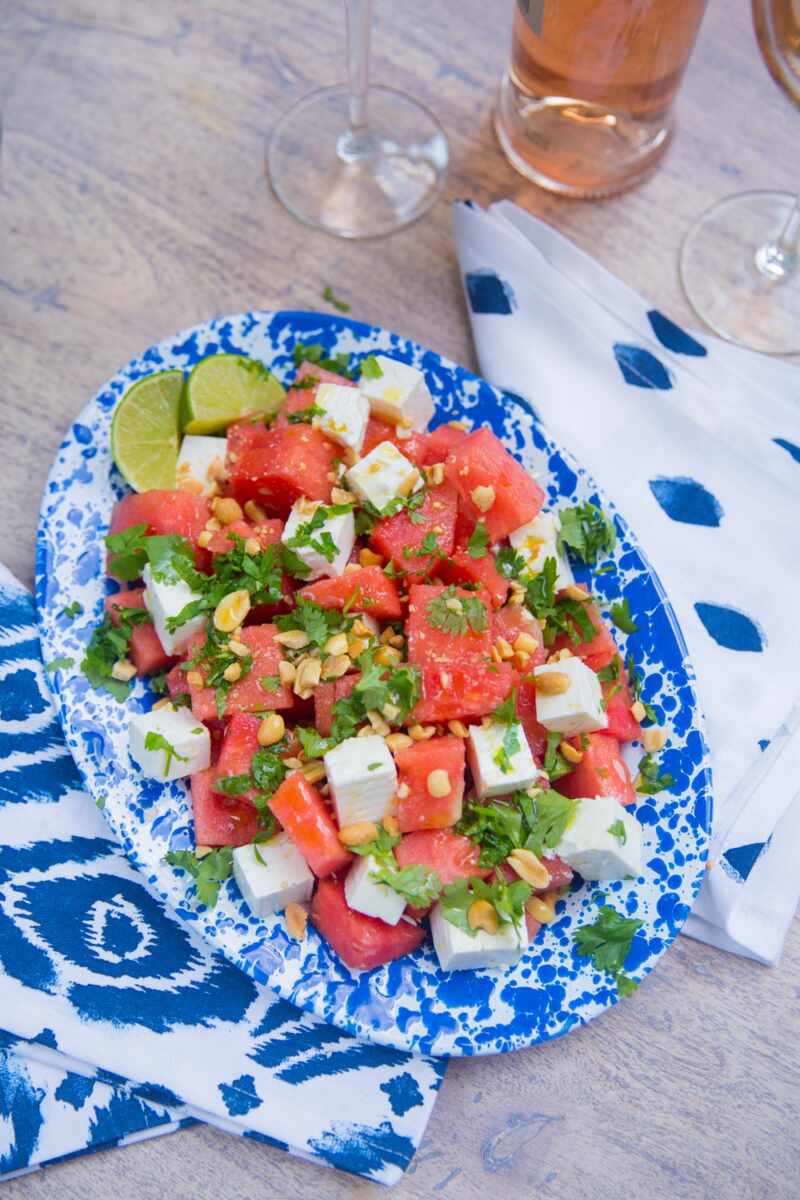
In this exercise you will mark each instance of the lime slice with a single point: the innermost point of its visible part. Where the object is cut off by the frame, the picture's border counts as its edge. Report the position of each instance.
(144, 431)
(223, 388)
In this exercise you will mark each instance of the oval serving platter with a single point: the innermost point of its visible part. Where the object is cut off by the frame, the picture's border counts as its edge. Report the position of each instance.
(409, 1004)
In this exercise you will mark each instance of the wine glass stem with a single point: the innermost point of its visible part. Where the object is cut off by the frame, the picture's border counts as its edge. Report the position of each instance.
(357, 143)
(780, 257)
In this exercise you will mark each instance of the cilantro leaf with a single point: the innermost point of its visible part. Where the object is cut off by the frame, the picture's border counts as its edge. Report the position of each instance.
(371, 368)
(456, 614)
(648, 781)
(270, 683)
(268, 768)
(233, 785)
(610, 673)
(555, 764)
(617, 830)
(58, 664)
(478, 543)
(380, 847)
(586, 531)
(507, 899)
(621, 616)
(511, 746)
(497, 828)
(304, 416)
(607, 941)
(314, 352)
(418, 885)
(319, 623)
(314, 745)
(548, 815)
(126, 553)
(208, 872)
(341, 305)
(510, 563)
(109, 643)
(72, 610)
(506, 713)
(156, 741)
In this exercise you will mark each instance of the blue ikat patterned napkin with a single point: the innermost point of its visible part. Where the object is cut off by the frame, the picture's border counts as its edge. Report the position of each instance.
(116, 1022)
(698, 444)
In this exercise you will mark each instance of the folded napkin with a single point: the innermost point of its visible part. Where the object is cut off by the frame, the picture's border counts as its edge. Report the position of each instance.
(118, 1020)
(698, 444)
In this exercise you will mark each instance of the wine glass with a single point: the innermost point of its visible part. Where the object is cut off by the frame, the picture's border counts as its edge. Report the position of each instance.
(357, 161)
(740, 263)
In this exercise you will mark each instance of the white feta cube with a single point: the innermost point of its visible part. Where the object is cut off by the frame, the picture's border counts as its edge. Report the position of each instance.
(362, 779)
(537, 541)
(383, 475)
(307, 542)
(368, 896)
(201, 462)
(282, 875)
(164, 600)
(399, 394)
(169, 743)
(346, 414)
(460, 951)
(500, 759)
(577, 710)
(603, 841)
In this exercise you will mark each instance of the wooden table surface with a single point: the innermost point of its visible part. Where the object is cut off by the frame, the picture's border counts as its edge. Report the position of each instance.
(134, 203)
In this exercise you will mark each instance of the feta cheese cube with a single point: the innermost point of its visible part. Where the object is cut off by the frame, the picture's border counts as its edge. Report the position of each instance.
(383, 475)
(459, 951)
(362, 779)
(500, 759)
(537, 541)
(346, 414)
(307, 543)
(201, 462)
(280, 878)
(603, 841)
(367, 896)
(166, 599)
(399, 394)
(577, 710)
(169, 743)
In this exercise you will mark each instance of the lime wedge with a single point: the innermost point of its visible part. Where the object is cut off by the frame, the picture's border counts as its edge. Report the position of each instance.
(225, 387)
(144, 431)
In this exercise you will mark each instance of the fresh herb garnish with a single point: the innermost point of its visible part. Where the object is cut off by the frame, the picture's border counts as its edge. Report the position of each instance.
(72, 610)
(258, 574)
(611, 673)
(636, 682)
(586, 531)
(621, 616)
(418, 885)
(126, 553)
(215, 656)
(317, 622)
(109, 643)
(511, 745)
(314, 352)
(313, 743)
(341, 305)
(648, 781)
(548, 814)
(270, 683)
(617, 830)
(555, 764)
(607, 941)
(391, 691)
(478, 543)
(156, 741)
(58, 664)
(507, 899)
(208, 872)
(506, 712)
(456, 614)
(498, 828)
(304, 416)
(312, 534)
(510, 563)
(371, 368)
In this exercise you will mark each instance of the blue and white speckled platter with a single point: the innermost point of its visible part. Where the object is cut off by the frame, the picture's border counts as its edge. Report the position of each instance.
(410, 1003)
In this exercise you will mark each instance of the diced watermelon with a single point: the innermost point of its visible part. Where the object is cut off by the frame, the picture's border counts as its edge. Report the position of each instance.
(510, 622)
(326, 695)
(290, 462)
(146, 651)
(248, 695)
(526, 711)
(304, 815)
(250, 434)
(430, 645)
(561, 873)
(383, 431)
(463, 568)
(439, 442)
(601, 772)
(164, 512)
(419, 809)
(298, 398)
(472, 690)
(219, 821)
(449, 854)
(482, 460)
(621, 722)
(365, 590)
(361, 942)
(268, 533)
(238, 748)
(596, 653)
(399, 538)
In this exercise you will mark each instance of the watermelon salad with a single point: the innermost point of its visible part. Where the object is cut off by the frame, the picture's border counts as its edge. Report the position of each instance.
(397, 712)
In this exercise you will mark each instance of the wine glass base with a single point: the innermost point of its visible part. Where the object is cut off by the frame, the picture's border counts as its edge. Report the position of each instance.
(721, 279)
(357, 187)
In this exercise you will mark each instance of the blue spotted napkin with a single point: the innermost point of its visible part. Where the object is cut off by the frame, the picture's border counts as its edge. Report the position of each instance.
(698, 444)
(117, 1021)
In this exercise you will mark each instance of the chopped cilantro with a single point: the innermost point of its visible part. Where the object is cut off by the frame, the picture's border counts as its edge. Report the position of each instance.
(100, 802)
(156, 741)
(506, 712)
(617, 830)
(258, 574)
(621, 616)
(158, 683)
(607, 941)
(328, 296)
(58, 664)
(509, 562)
(319, 623)
(635, 680)
(507, 899)
(374, 766)
(555, 764)
(478, 543)
(456, 614)
(270, 683)
(109, 643)
(648, 781)
(314, 352)
(126, 553)
(304, 416)
(377, 688)
(371, 368)
(72, 610)
(215, 656)
(417, 884)
(208, 872)
(610, 673)
(313, 743)
(312, 534)
(380, 847)
(233, 785)
(586, 531)
(548, 814)
(498, 829)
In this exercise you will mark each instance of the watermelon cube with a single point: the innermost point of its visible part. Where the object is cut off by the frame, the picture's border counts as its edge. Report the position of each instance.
(306, 818)
(361, 942)
(482, 461)
(448, 625)
(366, 590)
(219, 821)
(422, 808)
(461, 692)
(463, 568)
(601, 772)
(250, 694)
(145, 651)
(288, 463)
(400, 538)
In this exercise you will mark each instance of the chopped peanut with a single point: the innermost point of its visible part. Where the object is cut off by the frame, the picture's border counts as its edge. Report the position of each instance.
(482, 915)
(296, 921)
(483, 497)
(529, 867)
(271, 730)
(439, 783)
(358, 834)
(552, 683)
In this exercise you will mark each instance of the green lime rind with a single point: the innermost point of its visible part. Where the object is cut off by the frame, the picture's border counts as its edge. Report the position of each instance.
(225, 387)
(145, 434)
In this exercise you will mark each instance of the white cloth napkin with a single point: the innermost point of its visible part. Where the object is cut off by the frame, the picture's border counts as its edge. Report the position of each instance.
(698, 444)
(101, 985)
